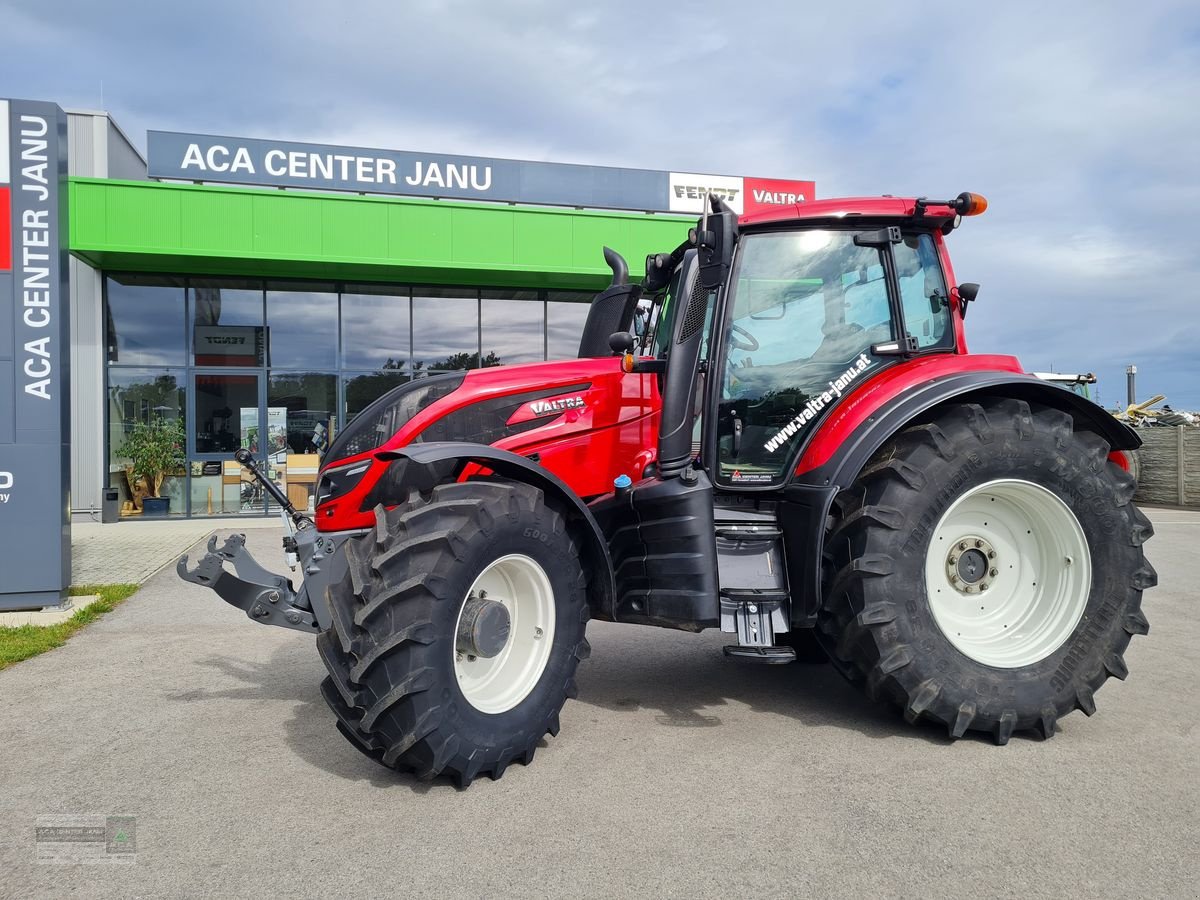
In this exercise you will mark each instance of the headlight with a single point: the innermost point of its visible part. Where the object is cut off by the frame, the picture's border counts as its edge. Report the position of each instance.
(340, 481)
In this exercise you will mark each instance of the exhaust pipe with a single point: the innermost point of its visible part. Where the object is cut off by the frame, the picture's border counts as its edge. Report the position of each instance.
(620, 268)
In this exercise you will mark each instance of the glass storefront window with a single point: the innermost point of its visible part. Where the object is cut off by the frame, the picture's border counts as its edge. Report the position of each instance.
(301, 417)
(279, 367)
(566, 311)
(226, 413)
(227, 322)
(445, 329)
(143, 396)
(145, 323)
(513, 324)
(375, 331)
(308, 401)
(364, 388)
(302, 325)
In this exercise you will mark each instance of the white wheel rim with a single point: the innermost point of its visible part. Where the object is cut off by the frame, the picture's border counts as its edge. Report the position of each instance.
(498, 684)
(1042, 573)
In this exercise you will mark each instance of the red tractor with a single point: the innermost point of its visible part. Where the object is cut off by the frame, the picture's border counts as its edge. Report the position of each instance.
(779, 433)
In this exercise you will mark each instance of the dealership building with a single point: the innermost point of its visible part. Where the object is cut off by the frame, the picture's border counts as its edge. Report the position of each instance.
(262, 292)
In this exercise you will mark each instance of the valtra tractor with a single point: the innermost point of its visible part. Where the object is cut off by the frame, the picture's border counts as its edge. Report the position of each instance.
(779, 433)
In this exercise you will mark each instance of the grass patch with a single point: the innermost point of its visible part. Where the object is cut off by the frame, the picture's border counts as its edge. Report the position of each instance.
(23, 641)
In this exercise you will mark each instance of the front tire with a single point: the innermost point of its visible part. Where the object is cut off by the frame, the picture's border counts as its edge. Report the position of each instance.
(987, 570)
(405, 689)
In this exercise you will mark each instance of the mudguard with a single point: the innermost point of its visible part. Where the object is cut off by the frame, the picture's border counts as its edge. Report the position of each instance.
(843, 468)
(422, 466)
(809, 495)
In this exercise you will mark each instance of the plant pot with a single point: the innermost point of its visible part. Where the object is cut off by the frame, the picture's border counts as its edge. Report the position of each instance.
(155, 507)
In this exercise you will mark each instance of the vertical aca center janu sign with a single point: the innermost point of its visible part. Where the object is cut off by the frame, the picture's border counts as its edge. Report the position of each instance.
(35, 412)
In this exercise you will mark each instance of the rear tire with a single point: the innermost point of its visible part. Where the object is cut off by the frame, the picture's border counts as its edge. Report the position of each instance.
(402, 691)
(953, 659)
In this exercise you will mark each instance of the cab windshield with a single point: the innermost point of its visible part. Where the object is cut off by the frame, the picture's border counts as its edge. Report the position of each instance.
(806, 308)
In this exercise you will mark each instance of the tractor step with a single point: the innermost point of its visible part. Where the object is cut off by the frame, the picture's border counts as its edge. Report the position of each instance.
(770, 656)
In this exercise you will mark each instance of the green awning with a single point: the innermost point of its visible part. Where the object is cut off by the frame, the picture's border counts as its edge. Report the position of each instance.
(148, 226)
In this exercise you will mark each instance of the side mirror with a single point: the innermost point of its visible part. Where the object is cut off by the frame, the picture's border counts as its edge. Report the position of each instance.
(621, 342)
(967, 292)
(715, 236)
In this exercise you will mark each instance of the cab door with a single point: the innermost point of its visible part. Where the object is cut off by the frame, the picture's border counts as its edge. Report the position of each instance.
(809, 316)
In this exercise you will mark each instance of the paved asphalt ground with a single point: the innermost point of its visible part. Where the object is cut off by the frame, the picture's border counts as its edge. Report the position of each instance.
(676, 774)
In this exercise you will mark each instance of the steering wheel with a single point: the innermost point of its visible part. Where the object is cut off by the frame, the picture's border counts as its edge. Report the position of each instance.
(748, 343)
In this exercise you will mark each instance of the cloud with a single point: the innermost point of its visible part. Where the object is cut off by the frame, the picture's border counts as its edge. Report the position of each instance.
(1075, 119)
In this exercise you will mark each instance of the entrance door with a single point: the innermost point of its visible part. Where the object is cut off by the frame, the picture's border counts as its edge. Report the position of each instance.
(228, 413)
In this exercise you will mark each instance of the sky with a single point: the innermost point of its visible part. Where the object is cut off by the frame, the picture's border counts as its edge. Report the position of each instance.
(1077, 120)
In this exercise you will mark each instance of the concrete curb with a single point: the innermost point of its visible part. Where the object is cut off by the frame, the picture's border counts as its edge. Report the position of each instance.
(53, 615)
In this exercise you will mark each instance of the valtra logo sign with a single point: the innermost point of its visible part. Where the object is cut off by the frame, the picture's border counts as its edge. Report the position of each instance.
(772, 193)
(550, 407)
(744, 195)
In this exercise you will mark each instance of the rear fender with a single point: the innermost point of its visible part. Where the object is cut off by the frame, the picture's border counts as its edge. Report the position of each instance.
(423, 466)
(809, 495)
(891, 417)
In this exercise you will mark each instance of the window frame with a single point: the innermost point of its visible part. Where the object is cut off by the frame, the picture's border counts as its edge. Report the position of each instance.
(948, 340)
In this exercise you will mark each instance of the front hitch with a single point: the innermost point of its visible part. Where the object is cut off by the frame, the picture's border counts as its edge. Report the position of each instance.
(264, 596)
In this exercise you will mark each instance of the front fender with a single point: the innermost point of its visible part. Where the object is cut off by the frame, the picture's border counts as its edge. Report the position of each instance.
(423, 466)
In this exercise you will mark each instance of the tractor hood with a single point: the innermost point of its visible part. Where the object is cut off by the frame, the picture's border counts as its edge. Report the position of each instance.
(527, 409)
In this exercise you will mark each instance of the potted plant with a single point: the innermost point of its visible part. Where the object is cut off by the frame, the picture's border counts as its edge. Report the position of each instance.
(155, 450)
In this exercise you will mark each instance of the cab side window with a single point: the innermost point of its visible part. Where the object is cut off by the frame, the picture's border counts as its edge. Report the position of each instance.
(923, 292)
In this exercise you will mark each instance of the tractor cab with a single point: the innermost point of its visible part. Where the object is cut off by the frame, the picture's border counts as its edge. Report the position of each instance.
(804, 311)
(811, 313)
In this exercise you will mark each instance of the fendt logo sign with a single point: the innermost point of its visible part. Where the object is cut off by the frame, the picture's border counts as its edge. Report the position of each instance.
(688, 191)
(744, 195)
(253, 161)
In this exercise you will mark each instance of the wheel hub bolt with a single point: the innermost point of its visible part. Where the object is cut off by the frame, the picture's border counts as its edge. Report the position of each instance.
(968, 566)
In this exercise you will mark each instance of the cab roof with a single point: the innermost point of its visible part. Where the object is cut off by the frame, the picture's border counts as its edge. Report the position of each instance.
(847, 207)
